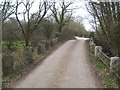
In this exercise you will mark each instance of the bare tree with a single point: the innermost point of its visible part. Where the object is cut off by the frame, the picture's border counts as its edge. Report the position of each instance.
(28, 26)
(7, 9)
(63, 14)
(107, 19)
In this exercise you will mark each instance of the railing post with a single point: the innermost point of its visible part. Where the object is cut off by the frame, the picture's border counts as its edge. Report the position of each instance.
(115, 67)
(97, 51)
(114, 64)
(92, 45)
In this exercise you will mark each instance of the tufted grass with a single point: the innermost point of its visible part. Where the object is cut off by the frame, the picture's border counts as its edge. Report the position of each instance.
(107, 80)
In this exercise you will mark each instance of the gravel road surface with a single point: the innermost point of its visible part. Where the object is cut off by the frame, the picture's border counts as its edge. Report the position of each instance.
(68, 67)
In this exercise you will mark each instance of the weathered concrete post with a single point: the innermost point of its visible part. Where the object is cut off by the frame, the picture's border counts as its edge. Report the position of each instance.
(56, 40)
(97, 51)
(92, 45)
(115, 67)
(114, 64)
(47, 45)
(41, 48)
(53, 41)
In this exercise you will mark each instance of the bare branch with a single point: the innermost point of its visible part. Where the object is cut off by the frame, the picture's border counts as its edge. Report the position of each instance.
(31, 20)
(60, 16)
(7, 9)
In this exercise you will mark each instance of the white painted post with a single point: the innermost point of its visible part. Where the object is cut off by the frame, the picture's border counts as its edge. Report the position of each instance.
(115, 64)
(97, 51)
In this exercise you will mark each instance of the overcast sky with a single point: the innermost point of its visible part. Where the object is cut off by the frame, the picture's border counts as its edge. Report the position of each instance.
(80, 11)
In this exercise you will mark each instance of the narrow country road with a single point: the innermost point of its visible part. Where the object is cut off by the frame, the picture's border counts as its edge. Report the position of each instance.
(68, 67)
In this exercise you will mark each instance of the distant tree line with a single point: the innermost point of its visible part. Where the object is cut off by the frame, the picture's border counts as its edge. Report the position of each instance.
(27, 25)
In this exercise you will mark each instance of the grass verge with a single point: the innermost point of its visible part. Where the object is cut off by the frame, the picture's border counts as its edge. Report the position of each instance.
(107, 80)
(9, 81)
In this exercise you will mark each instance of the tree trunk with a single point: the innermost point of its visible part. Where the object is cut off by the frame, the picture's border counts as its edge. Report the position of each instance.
(60, 29)
(27, 42)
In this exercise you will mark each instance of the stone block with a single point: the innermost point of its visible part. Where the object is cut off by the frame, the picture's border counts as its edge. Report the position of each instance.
(41, 48)
(115, 64)
(47, 45)
(97, 50)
